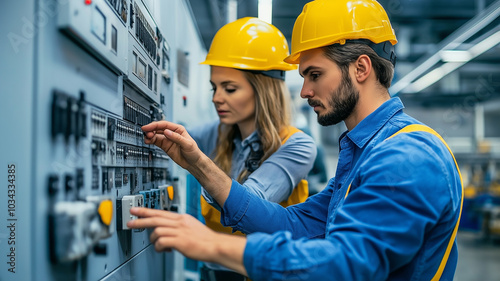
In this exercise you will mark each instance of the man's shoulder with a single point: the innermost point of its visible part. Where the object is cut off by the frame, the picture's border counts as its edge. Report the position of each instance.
(413, 143)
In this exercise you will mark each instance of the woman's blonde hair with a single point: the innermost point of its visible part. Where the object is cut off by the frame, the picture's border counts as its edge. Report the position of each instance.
(272, 114)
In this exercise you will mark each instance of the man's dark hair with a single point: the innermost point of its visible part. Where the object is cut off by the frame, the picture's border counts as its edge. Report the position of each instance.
(344, 55)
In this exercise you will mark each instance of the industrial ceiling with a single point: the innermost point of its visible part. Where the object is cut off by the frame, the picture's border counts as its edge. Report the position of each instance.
(447, 50)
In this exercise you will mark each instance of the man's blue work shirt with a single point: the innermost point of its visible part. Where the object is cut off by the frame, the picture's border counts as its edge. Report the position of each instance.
(395, 223)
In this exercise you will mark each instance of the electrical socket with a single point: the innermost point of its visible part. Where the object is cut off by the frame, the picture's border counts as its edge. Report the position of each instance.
(147, 198)
(156, 200)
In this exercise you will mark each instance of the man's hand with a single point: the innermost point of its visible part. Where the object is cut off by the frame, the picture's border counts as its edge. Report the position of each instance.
(189, 236)
(175, 141)
(178, 144)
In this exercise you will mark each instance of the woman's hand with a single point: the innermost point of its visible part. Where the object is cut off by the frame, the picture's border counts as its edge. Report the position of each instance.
(178, 144)
(175, 141)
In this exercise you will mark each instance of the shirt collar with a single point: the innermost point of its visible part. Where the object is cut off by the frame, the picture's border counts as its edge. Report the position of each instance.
(252, 138)
(369, 126)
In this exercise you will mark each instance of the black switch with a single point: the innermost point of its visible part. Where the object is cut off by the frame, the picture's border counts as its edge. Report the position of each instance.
(79, 179)
(105, 186)
(69, 183)
(71, 115)
(59, 109)
(101, 249)
(102, 147)
(159, 35)
(131, 16)
(81, 117)
(53, 185)
(111, 128)
(95, 147)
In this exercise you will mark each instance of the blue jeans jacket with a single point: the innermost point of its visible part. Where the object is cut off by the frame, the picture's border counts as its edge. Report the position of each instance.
(395, 224)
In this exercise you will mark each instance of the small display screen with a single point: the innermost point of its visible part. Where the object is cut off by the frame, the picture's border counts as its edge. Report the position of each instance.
(114, 39)
(134, 63)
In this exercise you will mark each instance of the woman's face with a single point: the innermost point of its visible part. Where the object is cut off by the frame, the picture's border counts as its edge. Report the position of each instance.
(233, 97)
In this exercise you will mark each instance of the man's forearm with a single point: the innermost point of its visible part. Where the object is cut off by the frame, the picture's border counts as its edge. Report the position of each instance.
(230, 249)
(212, 178)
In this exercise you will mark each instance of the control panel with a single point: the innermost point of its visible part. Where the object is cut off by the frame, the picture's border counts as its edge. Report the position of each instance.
(83, 77)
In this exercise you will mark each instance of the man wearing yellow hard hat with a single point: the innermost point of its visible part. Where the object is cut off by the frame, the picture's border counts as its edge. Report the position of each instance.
(393, 207)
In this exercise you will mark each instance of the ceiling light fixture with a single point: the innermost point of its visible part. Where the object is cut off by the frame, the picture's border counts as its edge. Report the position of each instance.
(455, 56)
(266, 10)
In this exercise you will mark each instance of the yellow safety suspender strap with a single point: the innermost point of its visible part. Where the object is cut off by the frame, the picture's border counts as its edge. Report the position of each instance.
(301, 191)
(423, 128)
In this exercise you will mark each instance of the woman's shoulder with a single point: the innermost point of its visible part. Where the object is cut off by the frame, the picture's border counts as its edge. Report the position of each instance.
(299, 142)
(292, 134)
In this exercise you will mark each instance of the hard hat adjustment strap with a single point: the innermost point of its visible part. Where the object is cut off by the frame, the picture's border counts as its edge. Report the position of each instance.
(384, 49)
(278, 74)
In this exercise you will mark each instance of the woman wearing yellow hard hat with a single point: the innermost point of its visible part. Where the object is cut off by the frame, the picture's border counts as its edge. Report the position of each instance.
(252, 141)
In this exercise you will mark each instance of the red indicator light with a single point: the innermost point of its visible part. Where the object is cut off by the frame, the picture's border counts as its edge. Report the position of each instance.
(88, 2)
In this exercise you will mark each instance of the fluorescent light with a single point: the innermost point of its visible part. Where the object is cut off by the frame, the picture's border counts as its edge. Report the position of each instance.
(266, 10)
(455, 56)
(433, 76)
(483, 46)
(232, 10)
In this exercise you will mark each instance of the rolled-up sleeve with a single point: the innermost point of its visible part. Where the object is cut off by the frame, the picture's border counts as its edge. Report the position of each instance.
(287, 259)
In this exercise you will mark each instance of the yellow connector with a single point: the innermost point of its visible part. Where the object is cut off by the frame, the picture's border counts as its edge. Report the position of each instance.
(106, 211)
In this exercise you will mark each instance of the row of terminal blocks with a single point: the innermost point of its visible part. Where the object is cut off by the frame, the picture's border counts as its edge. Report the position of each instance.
(109, 153)
(77, 227)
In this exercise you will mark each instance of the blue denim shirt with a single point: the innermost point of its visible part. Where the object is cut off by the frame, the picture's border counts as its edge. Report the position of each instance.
(395, 223)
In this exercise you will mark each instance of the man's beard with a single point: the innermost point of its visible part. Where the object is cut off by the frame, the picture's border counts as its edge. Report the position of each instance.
(342, 103)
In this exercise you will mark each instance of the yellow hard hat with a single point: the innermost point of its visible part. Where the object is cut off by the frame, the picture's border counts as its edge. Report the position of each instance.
(249, 44)
(326, 22)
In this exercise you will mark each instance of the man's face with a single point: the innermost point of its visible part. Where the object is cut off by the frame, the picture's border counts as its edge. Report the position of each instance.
(331, 94)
